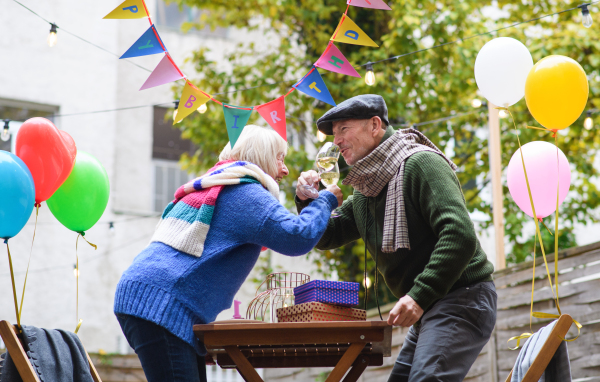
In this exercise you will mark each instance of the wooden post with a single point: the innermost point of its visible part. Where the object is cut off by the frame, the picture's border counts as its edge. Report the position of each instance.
(496, 172)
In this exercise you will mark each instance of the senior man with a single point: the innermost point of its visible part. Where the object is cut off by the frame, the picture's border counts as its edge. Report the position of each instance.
(409, 209)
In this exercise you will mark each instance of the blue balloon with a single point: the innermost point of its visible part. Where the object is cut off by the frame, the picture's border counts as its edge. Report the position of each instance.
(17, 194)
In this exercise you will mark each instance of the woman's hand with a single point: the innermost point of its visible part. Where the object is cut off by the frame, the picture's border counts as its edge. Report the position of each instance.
(311, 178)
(335, 190)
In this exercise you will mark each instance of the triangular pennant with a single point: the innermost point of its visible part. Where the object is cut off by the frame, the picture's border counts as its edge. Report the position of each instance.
(334, 61)
(374, 4)
(235, 120)
(191, 99)
(146, 45)
(312, 84)
(129, 9)
(166, 71)
(274, 113)
(349, 33)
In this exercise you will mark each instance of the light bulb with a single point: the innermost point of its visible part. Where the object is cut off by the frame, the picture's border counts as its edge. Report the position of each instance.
(370, 76)
(589, 122)
(320, 136)
(367, 283)
(5, 136)
(202, 109)
(75, 271)
(111, 226)
(52, 36)
(586, 18)
(476, 103)
(503, 114)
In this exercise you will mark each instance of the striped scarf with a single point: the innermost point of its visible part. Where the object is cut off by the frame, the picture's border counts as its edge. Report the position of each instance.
(186, 220)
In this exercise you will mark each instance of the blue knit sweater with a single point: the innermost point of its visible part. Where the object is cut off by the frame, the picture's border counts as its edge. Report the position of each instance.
(176, 290)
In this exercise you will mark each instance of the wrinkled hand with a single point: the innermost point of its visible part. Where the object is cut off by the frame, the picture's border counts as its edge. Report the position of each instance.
(311, 178)
(405, 313)
(335, 190)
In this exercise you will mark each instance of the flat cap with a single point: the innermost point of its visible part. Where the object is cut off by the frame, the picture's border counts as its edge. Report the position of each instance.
(364, 106)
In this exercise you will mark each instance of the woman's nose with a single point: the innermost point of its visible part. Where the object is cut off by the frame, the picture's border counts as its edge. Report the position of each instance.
(285, 170)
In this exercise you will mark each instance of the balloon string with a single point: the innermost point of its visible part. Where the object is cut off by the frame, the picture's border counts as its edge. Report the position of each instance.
(556, 233)
(77, 282)
(547, 229)
(12, 277)
(82, 234)
(37, 209)
(532, 284)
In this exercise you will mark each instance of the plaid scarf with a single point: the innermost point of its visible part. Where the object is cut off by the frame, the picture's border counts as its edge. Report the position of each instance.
(385, 165)
(186, 220)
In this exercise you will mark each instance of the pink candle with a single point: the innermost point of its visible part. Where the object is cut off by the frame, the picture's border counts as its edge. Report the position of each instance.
(236, 309)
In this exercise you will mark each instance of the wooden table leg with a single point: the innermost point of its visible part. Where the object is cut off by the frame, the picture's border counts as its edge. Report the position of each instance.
(358, 368)
(244, 367)
(345, 362)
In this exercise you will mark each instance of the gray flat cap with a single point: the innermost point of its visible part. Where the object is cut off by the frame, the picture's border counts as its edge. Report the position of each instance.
(364, 106)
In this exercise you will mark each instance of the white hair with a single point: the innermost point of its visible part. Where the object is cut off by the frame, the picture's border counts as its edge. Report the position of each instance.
(258, 145)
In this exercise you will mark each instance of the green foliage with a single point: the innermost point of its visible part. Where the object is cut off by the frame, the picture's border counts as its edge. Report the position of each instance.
(419, 87)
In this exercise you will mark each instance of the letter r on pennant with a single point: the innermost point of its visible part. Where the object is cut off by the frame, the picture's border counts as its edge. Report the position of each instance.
(132, 9)
(313, 86)
(336, 62)
(235, 122)
(190, 102)
(274, 116)
(351, 34)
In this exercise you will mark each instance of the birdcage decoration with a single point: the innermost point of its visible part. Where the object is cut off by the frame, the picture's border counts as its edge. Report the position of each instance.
(279, 294)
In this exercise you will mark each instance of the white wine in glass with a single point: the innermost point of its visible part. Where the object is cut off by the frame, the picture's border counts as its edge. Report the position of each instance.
(330, 176)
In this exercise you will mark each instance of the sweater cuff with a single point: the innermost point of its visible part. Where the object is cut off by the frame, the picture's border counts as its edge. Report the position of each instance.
(422, 297)
(301, 204)
(330, 197)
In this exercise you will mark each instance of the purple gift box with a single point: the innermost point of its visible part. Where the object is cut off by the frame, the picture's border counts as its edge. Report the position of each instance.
(328, 292)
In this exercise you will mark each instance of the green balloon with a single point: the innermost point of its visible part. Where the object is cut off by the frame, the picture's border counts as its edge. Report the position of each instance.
(81, 200)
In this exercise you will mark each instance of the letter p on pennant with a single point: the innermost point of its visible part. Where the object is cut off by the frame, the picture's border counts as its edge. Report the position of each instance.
(129, 9)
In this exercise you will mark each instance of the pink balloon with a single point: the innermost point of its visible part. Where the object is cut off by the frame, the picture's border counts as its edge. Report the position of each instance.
(543, 174)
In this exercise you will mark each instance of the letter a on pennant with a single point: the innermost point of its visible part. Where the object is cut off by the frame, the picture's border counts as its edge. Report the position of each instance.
(146, 45)
(349, 33)
(373, 4)
(312, 84)
(129, 9)
(165, 72)
(334, 61)
(191, 99)
(274, 113)
(235, 120)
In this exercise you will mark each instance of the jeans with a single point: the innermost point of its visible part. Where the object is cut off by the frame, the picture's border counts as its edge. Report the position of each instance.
(450, 336)
(164, 357)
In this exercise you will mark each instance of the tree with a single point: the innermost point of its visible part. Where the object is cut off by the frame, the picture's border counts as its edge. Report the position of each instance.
(425, 86)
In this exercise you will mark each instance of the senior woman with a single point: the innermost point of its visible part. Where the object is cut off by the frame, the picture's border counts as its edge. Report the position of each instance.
(204, 247)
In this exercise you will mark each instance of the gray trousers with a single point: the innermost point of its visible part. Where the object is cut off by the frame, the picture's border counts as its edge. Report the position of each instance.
(445, 344)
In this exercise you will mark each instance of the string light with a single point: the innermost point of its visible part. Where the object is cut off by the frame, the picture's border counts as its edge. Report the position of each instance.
(476, 103)
(202, 109)
(75, 270)
(52, 35)
(586, 18)
(367, 283)
(370, 76)
(111, 226)
(5, 136)
(176, 107)
(589, 122)
(320, 136)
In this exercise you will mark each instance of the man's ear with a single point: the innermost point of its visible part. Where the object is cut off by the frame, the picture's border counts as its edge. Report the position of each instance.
(375, 124)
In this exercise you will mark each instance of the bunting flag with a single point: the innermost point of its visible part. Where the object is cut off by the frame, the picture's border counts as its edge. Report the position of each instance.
(166, 71)
(374, 4)
(129, 9)
(349, 33)
(149, 43)
(236, 120)
(274, 113)
(312, 84)
(191, 99)
(334, 61)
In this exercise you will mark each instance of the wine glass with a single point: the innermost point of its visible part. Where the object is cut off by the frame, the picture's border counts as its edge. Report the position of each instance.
(327, 157)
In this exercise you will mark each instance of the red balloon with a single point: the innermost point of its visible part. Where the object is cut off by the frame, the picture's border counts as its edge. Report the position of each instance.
(48, 152)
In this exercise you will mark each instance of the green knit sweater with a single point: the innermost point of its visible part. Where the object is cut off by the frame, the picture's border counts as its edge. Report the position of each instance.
(445, 253)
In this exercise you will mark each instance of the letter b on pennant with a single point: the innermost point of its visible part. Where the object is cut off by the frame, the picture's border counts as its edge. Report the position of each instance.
(132, 9)
(351, 34)
(190, 102)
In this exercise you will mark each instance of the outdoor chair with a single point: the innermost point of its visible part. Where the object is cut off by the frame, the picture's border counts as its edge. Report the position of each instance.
(15, 348)
(547, 351)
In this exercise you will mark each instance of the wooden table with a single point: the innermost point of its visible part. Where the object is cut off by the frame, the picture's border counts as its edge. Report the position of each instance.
(342, 344)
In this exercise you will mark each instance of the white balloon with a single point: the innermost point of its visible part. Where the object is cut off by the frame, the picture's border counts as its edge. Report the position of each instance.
(501, 68)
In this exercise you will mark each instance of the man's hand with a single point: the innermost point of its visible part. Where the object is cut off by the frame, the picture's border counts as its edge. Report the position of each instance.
(311, 178)
(335, 190)
(405, 313)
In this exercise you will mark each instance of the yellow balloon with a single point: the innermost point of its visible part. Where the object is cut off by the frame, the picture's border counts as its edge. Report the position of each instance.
(556, 91)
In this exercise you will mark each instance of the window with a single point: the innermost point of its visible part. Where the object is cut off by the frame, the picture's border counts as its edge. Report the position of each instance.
(18, 112)
(167, 148)
(171, 16)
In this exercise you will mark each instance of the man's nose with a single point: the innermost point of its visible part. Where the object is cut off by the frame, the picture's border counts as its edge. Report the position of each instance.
(337, 140)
